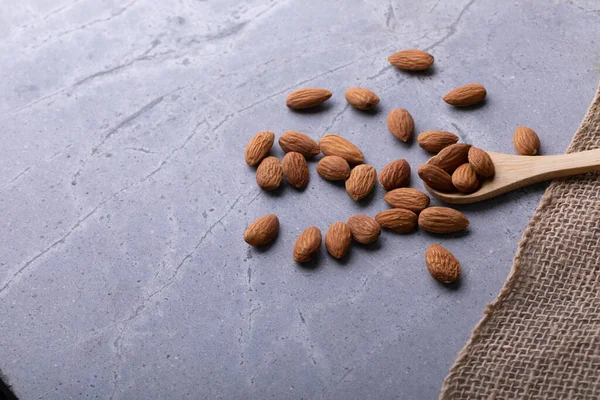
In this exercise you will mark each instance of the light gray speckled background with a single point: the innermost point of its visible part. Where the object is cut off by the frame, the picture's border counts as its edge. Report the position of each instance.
(124, 193)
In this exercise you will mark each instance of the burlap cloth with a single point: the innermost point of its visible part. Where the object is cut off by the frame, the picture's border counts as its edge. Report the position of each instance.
(540, 338)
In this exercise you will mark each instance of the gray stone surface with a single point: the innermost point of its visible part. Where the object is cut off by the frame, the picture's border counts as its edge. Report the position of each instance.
(124, 193)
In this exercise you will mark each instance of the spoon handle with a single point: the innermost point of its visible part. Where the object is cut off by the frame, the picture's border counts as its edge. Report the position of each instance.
(549, 167)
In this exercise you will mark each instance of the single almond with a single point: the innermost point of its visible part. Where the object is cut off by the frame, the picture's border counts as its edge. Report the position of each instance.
(295, 169)
(451, 157)
(435, 141)
(361, 98)
(307, 98)
(307, 244)
(401, 124)
(333, 168)
(335, 145)
(338, 239)
(466, 95)
(442, 264)
(269, 173)
(364, 229)
(300, 143)
(411, 60)
(398, 220)
(436, 178)
(361, 181)
(259, 147)
(526, 141)
(442, 220)
(465, 179)
(394, 175)
(407, 198)
(262, 231)
(481, 162)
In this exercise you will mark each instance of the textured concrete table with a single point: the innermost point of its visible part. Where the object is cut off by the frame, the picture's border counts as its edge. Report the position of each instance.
(124, 193)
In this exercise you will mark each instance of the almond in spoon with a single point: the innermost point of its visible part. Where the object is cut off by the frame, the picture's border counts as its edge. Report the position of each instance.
(465, 179)
(436, 178)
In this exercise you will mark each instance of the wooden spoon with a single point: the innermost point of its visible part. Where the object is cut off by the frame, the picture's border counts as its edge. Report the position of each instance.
(514, 172)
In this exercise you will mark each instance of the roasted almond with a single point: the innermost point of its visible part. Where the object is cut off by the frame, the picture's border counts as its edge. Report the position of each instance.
(300, 143)
(442, 264)
(466, 95)
(394, 175)
(465, 179)
(333, 168)
(436, 178)
(361, 181)
(364, 229)
(262, 231)
(335, 145)
(526, 141)
(307, 98)
(338, 239)
(361, 98)
(401, 124)
(451, 157)
(481, 162)
(442, 220)
(407, 198)
(259, 147)
(269, 173)
(411, 60)
(435, 141)
(307, 244)
(398, 220)
(295, 169)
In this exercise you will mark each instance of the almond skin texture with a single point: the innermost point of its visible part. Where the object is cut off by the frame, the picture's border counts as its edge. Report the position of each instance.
(466, 95)
(269, 173)
(333, 168)
(465, 179)
(338, 239)
(451, 157)
(435, 141)
(364, 229)
(442, 264)
(262, 231)
(398, 220)
(335, 145)
(394, 175)
(436, 178)
(300, 143)
(361, 181)
(307, 98)
(407, 198)
(361, 98)
(481, 162)
(295, 169)
(401, 124)
(526, 141)
(307, 244)
(442, 220)
(259, 147)
(411, 60)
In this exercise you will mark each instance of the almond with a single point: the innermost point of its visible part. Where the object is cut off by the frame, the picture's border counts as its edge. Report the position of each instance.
(401, 124)
(295, 169)
(335, 145)
(451, 157)
(411, 60)
(435, 141)
(407, 198)
(262, 231)
(442, 265)
(466, 95)
(361, 98)
(364, 229)
(333, 168)
(481, 162)
(526, 141)
(338, 239)
(436, 178)
(361, 181)
(259, 147)
(394, 175)
(442, 220)
(307, 244)
(398, 220)
(307, 98)
(465, 179)
(300, 143)
(269, 173)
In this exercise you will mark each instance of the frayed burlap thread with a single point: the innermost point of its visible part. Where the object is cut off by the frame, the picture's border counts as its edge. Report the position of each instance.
(540, 338)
